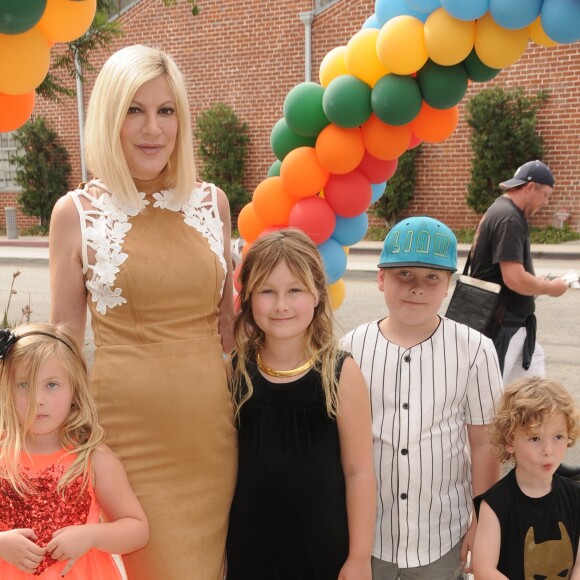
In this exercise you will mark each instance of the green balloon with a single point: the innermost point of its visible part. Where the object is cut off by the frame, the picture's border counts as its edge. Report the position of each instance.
(442, 86)
(476, 70)
(283, 139)
(274, 170)
(396, 99)
(303, 110)
(347, 101)
(18, 16)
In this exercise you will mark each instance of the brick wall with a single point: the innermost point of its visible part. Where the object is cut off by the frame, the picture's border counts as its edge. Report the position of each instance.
(250, 53)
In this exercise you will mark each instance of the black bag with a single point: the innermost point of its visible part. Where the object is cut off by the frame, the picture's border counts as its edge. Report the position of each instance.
(476, 303)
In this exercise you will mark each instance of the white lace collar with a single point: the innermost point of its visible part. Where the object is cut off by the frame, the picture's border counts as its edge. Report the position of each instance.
(104, 231)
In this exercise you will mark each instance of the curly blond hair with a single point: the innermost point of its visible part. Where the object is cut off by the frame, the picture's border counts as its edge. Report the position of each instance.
(80, 433)
(303, 259)
(527, 404)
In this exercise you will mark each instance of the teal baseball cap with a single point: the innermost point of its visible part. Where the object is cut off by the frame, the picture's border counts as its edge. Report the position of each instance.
(421, 242)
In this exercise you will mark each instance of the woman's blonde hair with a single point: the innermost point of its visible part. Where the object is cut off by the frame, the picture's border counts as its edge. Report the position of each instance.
(527, 404)
(300, 254)
(115, 87)
(80, 433)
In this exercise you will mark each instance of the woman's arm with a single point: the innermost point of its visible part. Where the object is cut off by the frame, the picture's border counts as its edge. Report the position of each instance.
(126, 528)
(485, 556)
(226, 305)
(356, 448)
(67, 283)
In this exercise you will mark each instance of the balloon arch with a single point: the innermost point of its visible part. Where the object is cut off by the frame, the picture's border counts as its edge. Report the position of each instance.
(395, 84)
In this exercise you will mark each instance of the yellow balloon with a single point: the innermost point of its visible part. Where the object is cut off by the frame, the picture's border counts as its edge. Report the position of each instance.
(448, 41)
(336, 293)
(498, 47)
(538, 35)
(401, 45)
(66, 20)
(25, 60)
(333, 65)
(361, 57)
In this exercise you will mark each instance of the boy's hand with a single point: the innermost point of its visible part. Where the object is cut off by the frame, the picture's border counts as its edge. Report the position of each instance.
(17, 547)
(70, 544)
(356, 569)
(467, 547)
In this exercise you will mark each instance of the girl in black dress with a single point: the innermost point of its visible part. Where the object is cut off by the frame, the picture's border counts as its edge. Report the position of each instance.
(304, 505)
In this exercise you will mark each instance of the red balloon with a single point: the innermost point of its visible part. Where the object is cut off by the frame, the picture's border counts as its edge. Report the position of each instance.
(236, 277)
(348, 195)
(377, 170)
(314, 216)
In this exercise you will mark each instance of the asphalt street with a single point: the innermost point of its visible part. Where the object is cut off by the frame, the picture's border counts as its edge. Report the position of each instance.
(558, 318)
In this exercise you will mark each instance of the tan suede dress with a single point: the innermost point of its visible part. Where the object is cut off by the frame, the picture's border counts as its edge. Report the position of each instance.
(155, 281)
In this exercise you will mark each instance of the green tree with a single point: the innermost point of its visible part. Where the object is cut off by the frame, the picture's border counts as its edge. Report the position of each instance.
(42, 169)
(222, 147)
(99, 35)
(503, 137)
(400, 188)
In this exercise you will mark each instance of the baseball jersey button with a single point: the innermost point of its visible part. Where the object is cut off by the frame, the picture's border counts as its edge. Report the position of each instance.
(405, 406)
(403, 496)
(404, 452)
(407, 358)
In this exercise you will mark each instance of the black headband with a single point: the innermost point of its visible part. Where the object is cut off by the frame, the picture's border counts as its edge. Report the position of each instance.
(8, 339)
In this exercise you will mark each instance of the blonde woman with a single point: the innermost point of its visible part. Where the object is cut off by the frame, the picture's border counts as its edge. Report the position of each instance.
(147, 247)
(56, 475)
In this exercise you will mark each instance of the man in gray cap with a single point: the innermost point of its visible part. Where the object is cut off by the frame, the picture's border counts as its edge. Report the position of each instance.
(501, 254)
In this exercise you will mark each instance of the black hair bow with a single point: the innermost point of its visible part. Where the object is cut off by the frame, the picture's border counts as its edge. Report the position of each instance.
(7, 339)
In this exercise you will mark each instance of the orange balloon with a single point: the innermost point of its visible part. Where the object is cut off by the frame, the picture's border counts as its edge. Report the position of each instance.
(339, 149)
(385, 141)
(434, 125)
(301, 172)
(250, 225)
(15, 110)
(272, 202)
(66, 20)
(25, 60)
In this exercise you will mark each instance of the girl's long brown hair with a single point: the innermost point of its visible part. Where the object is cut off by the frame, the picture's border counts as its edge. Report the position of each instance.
(303, 259)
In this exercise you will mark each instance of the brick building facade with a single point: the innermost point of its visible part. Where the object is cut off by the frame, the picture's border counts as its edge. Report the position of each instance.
(250, 53)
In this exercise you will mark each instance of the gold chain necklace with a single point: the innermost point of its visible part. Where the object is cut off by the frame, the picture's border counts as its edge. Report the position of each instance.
(283, 374)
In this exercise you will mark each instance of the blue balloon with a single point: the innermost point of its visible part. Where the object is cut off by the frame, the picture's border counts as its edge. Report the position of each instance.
(378, 189)
(387, 9)
(466, 9)
(334, 260)
(514, 14)
(561, 20)
(349, 231)
(426, 6)
(371, 22)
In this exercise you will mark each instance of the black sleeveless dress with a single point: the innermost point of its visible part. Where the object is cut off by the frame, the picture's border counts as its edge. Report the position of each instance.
(288, 519)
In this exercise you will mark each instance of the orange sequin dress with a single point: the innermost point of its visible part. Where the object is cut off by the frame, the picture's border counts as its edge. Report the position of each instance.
(46, 511)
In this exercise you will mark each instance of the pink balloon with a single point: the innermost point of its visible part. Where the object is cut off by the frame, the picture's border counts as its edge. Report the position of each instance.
(314, 216)
(349, 194)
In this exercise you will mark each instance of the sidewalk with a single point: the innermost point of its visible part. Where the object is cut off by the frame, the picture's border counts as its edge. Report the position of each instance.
(363, 256)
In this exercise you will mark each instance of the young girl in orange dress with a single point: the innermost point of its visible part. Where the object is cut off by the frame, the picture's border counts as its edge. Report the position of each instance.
(57, 478)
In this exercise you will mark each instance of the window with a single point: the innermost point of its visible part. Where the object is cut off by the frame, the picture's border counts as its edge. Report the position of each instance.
(8, 148)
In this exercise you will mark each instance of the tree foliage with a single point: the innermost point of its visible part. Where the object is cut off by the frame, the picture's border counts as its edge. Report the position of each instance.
(42, 169)
(400, 188)
(222, 147)
(99, 35)
(504, 137)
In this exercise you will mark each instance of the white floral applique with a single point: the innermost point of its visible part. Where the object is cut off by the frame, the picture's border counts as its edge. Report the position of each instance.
(106, 236)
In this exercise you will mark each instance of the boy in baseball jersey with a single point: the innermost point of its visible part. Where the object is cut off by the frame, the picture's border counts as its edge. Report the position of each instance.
(434, 385)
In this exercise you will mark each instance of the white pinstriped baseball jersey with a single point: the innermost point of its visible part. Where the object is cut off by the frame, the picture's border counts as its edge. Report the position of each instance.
(422, 398)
